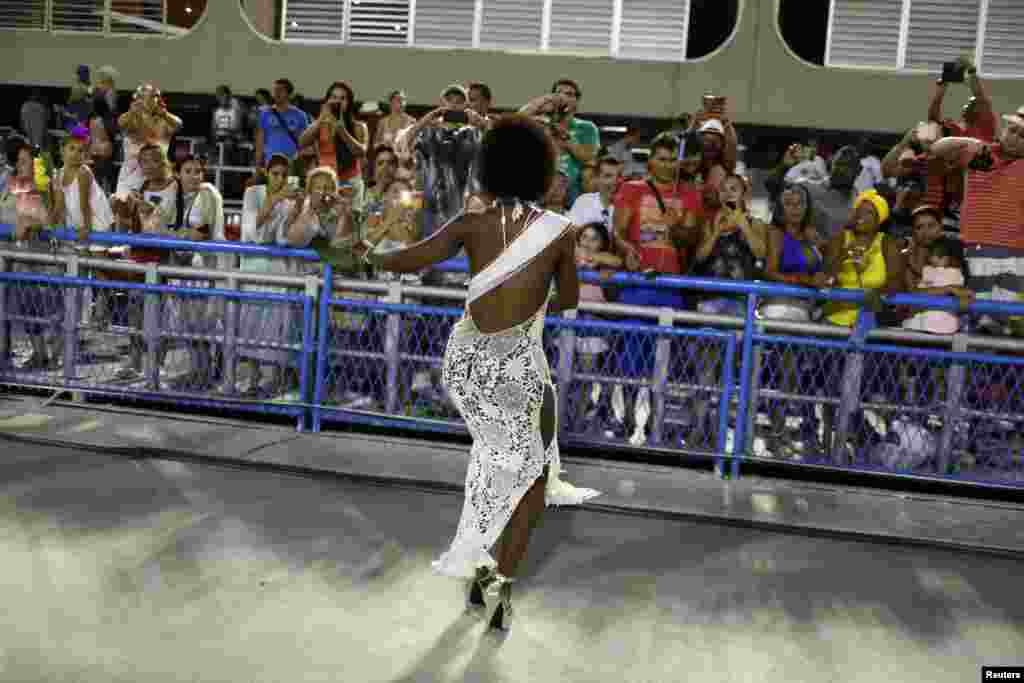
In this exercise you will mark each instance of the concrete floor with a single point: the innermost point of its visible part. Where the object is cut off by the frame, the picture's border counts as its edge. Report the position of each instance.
(154, 570)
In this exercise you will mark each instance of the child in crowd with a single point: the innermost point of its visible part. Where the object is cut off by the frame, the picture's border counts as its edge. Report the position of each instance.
(593, 252)
(943, 276)
(732, 246)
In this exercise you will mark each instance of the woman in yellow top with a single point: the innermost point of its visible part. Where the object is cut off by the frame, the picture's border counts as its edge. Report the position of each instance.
(862, 257)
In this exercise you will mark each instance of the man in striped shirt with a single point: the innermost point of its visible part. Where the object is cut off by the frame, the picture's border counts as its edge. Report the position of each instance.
(992, 216)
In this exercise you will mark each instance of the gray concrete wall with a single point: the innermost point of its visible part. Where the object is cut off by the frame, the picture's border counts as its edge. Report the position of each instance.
(767, 84)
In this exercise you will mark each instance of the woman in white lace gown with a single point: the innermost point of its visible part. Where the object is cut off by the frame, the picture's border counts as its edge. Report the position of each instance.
(495, 368)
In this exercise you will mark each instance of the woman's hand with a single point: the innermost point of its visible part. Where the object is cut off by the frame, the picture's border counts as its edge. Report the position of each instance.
(475, 119)
(966, 296)
(792, 156)
(822, 281)
(326, 115)
(631, 256)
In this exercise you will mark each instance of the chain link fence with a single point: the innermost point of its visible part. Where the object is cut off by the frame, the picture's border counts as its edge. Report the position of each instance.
(370, 352)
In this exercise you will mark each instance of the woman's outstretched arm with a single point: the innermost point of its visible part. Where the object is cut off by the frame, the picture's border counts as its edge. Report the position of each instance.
(441, 246)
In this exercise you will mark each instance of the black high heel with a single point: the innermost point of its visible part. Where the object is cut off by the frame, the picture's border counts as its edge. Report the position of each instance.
(502, 617)
(485, 576)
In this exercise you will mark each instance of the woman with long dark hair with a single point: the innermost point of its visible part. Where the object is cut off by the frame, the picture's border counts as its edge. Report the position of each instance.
(495, 368)
(341, 140)
(101, 144)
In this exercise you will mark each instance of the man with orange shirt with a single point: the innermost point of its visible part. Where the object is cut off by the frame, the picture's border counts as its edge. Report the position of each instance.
(656, 232)
(945, 182)
(992, 215)
(655, 218)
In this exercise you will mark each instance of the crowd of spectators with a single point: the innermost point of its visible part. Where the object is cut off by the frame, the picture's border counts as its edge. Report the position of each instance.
(941, 214)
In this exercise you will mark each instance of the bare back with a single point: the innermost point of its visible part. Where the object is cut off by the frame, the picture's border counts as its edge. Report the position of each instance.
(517, 299)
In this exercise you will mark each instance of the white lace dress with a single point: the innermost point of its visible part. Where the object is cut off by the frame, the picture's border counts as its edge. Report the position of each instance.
(497, 381)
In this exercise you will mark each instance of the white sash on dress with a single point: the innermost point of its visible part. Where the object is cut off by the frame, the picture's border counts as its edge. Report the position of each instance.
(541, 232)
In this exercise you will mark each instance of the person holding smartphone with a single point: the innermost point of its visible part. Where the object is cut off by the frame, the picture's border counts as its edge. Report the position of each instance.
(446, 143)
(341, 141)
(203, 216)
(578, 140)
(977, 120)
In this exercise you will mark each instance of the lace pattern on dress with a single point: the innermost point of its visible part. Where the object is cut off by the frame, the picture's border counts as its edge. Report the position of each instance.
(498, 381)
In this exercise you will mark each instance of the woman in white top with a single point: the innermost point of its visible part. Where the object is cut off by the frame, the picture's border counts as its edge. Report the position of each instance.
(147, 123)
(203, 217)
(266, 210)
(22, 204)
(79, 201)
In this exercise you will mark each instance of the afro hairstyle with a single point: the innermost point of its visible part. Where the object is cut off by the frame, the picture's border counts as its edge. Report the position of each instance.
(518, 159)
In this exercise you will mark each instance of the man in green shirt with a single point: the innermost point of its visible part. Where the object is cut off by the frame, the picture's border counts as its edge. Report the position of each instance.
(577, 139)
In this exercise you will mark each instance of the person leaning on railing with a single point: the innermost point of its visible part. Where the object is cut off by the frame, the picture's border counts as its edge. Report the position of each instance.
(23, 204)
(655, 232)
(79, 202)
(794, 257)
(265, 213)
(203, 217)
(864, 257)
(155, 209)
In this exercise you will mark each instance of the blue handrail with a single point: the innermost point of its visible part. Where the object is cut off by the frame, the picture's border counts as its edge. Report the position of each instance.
(758, 288)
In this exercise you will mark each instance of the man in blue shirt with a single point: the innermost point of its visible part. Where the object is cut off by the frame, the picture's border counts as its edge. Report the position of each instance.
(280, 125)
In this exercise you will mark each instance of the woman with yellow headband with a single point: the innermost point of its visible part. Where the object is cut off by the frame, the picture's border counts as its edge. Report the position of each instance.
(863, 257)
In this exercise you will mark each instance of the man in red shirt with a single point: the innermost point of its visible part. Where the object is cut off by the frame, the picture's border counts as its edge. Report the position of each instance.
(656, 218)
(992, 215)
(656, 232)
(977, 120)
(945, 186)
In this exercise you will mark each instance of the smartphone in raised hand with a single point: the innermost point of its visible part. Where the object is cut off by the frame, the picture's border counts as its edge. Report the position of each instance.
(953, 72)
(456, 116)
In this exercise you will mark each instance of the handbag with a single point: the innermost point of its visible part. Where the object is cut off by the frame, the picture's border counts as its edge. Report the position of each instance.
(298, 164)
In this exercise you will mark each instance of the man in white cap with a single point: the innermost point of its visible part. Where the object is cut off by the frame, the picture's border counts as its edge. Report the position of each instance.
(992, 215)
(719, 139)
(106, 79)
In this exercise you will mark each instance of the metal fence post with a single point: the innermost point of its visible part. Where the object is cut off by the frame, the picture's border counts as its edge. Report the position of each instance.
(72, 316)
(662, 358)
(955, 379)
(326, 292)
(306, 356)
(744, 409)
(725, 402)
(392, 348)
(6, 359)
(231, 314)
(218, 177)
(566, 359)
(151, 329)
(849, 403)
(756, 367)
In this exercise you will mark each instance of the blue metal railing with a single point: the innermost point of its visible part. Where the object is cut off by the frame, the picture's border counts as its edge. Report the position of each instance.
(679, 383)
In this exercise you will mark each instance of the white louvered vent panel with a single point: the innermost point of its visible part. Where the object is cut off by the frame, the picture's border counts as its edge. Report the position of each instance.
(378, 22)
(23, 14)
(865, 33)
(314, 19)
(144, 17)
(940, 31)
(654, 29)
(444, 23)
(582, 27)
(513, 24)
(78, 15)
(1003, 54)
